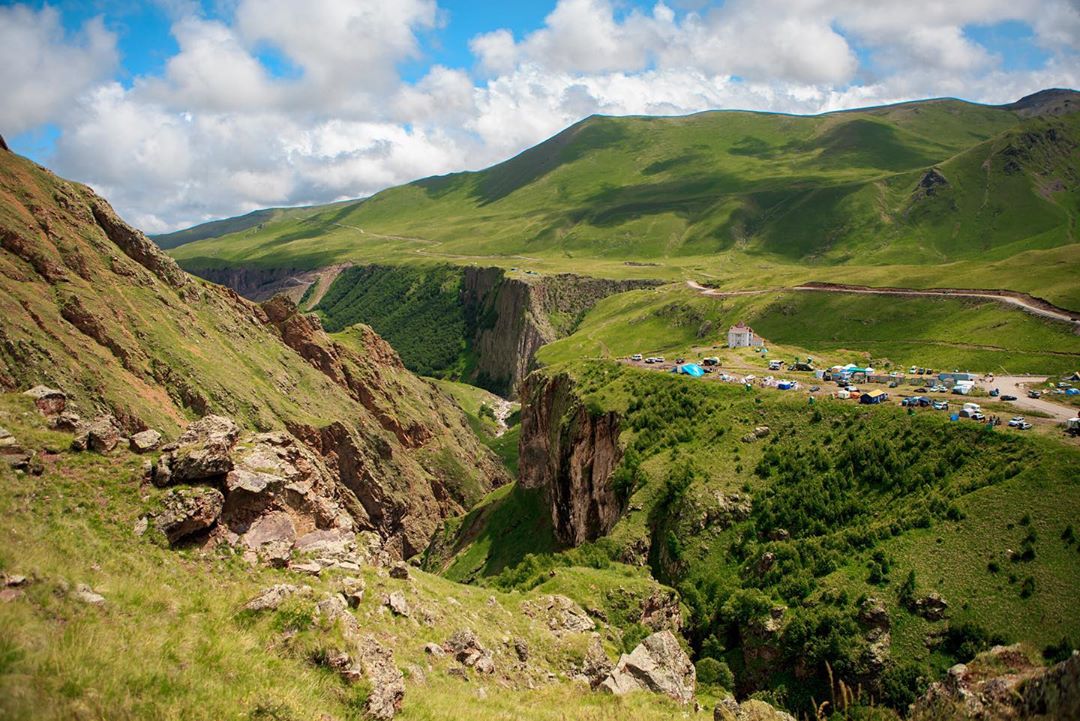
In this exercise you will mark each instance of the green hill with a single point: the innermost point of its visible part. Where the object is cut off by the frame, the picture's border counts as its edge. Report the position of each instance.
(936, 192)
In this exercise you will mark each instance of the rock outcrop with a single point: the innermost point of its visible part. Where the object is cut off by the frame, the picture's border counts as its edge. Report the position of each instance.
(728, 709)
(1003, 684)
(570, 453)
(658, 664)
(510, 318)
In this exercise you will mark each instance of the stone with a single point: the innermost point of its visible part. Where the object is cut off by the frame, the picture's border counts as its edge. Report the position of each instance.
(145, 441)
(86, 594)
(253, 482)
(353, 590)
(932, 607)
(560, 613)
(10, 594)
(271, 537)
(658, 664)
(270, 598)
(467, 649)
(596, 666)
(141, 526)
(189, 511)
(396, 602)
(203, 451)
(727, 709)
(308, 567)
(386, 680)
(49, 401)
(15, 580)
(400, 570)
(101, 435)
(6, 439)
(521, 649)
(434, 650)
(66, 421)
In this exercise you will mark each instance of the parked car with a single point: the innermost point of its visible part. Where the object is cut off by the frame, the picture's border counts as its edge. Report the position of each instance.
(977, 416)
(680, 361)
(941, 405)
(1016, 421)
(1008, 398)
(994, 393)
(658, 359)
(1034, 394)
(815, 389)
(635, 357)
(1025, 426)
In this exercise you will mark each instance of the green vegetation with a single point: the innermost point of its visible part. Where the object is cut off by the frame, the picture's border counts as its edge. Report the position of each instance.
(775, 545)
(170, 642)
(887, 331)
(418, 311)
(743, 199)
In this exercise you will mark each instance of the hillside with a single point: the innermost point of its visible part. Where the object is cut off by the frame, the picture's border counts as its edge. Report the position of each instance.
(812, 544)
(930, 193)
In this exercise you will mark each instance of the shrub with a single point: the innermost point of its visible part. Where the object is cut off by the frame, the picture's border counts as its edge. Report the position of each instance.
(633, 635)
(711, 672)
(1027, 587)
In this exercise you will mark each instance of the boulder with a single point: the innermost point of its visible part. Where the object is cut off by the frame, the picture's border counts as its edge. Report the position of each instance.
(86, 594)
(145, 441)
(560, 613)
(434, 650)
(397, 603)
(352, 589)
(48, 400)
(400, 570)
(727, 709)
(270, 598)
(101, 435)
(387, 682)
(203, 452)
(596, 666)
(469, 652)
(932, 607)
(189, 511)
(65, 421)
(658, 664)
(271, 537)
(6, 439)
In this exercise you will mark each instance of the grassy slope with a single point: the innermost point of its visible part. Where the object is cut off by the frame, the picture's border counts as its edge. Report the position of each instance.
(992, 480)
(168, 643)
(747, 198)
(928, 332)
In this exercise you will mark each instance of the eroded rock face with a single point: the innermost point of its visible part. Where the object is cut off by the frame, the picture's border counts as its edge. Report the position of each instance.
(571, 454)
(659, 665)
(202, 453)
(189, 511)
(1003, 684)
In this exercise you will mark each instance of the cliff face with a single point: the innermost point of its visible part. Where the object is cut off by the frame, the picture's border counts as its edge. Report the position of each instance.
(571, 454)
(259, 284)
(510, 319)
(90, 306)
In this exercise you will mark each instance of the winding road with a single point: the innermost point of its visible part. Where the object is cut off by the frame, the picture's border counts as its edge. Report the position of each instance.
(1030, 304)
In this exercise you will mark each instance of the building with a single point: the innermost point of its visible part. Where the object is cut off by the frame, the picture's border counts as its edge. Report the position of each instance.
(874, 397)
(741, 335)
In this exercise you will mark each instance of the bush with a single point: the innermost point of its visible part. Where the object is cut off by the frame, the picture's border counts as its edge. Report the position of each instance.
(633, 635)
(1027, 588)
(711, 672)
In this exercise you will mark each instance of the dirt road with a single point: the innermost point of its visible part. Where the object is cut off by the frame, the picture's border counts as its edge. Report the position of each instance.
(1030, 304)
(1018, 386)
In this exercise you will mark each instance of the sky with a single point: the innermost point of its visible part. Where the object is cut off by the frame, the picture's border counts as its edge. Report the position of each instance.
(183, 111)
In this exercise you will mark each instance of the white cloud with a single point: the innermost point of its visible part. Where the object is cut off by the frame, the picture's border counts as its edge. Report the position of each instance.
(41, 70)
(217, 133)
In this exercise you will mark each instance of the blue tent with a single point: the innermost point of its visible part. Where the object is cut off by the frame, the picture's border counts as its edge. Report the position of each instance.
(690, 369)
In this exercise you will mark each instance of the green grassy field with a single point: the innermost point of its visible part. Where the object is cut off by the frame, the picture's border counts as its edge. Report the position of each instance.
(896, 332)
(744, 199)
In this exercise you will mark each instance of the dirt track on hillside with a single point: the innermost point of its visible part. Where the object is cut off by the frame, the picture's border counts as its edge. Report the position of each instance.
(1028, 303)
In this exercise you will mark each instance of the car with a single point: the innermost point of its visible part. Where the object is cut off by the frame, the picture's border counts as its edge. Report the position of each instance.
(852, 389)
(994, 393)
(976, 416)
(658, 359)
(893, 384)
(1025, 426)
(635, 357)
(1016, 421)
(650, 360)
(680, 360)
(815, 389)
(1034, 394)
(1008, 398)
(941, 406)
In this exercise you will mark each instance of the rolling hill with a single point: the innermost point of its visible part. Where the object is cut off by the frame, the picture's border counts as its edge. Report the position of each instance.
(929, 193)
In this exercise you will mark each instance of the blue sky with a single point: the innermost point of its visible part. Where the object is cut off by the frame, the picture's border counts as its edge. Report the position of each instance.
(185, 110)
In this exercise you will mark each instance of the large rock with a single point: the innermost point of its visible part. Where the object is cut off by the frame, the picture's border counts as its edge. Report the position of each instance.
(596, 665)
(559, 613)
(145, 441)
(102, 435)
(469, 652)
(727, 709)
(932, 607)
(1003, 684)
(270, 598)
(658, 664)
(189, 511)
(49, 401)
(203, 452)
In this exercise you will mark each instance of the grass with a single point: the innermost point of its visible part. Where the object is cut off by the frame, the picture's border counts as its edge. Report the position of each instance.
(748, 199)
(864, 489)
(169, 644)
(895, 332)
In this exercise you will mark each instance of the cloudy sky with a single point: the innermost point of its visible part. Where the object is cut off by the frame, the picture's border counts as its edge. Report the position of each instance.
(181, 111)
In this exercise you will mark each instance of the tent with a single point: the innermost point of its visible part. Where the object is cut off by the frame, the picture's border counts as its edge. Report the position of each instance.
(690, 369)
(787, 385)
(874, 397)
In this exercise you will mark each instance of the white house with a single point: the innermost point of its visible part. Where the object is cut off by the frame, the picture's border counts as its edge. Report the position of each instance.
(741, 335)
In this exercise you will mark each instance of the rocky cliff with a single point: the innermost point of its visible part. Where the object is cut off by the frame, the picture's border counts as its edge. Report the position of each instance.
(570, 452)
(90, 306)
(510, 318)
